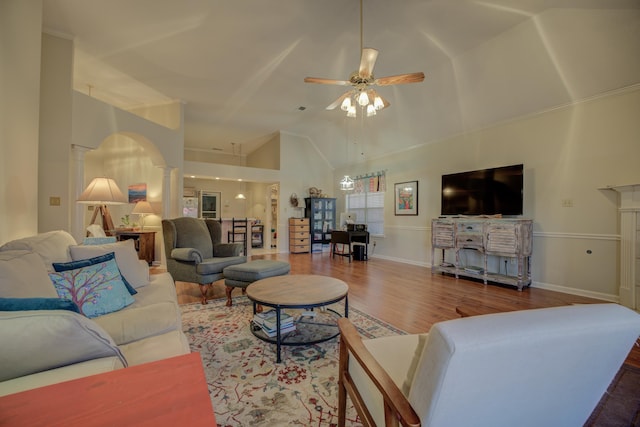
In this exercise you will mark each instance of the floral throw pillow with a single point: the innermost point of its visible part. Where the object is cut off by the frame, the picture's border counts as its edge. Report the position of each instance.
(97, 289)
(73, 265)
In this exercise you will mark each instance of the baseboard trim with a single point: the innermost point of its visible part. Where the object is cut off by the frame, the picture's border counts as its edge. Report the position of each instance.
(539, 285)
(574, 291)
(400, 260)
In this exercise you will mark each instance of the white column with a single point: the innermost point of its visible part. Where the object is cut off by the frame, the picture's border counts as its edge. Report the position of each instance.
(166, 192)
(77, 187)
(629, 208)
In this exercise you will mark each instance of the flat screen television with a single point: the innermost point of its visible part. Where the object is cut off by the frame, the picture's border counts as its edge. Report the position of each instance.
(484, 192)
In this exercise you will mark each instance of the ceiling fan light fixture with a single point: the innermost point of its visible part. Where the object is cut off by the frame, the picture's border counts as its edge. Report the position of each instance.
(346, 104)
(377, 103)
(362, 79)
(371, 110)
(363, 99)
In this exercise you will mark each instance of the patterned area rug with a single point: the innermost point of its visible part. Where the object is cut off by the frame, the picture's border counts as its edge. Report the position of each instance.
(248, 388)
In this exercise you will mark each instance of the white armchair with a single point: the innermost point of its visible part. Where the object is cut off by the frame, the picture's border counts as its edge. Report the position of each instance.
(545, 367)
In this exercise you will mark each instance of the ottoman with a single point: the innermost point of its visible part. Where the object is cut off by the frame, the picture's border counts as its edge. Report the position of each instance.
(242, 275)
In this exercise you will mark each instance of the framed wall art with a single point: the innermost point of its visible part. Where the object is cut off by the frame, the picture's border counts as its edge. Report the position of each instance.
(137, 193)
(406, 198)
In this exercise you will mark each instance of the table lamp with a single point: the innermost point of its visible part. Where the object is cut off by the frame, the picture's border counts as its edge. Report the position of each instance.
(142, 208)
(102, 192)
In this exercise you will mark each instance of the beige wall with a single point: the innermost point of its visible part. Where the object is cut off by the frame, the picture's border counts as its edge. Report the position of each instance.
(267, 156)
(55, 165)
(301, 167)
(568, 154)
(20, 32)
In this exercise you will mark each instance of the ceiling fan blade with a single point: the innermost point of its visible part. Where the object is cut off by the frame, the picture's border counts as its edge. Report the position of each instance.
(327, 81)
(400, 79)
(338, 101)
(367, 61)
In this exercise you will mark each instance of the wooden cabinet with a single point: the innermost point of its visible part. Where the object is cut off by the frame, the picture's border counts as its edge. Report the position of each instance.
(322, 219)
(144, 242)
(493, 250)
(299, 235)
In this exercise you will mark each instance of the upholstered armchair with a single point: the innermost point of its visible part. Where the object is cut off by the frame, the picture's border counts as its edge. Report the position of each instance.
(545, 367)
(195, 253)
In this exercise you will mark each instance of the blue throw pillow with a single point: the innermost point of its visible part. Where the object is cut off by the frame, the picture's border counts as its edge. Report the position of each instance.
(64, 266)
(23, 304)
(97, 289)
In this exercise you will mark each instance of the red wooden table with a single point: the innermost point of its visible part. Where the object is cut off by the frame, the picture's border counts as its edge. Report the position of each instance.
(168, 392)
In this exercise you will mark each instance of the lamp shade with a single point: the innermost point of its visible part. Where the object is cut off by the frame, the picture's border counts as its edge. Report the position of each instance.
(143, 208)
(103, 191)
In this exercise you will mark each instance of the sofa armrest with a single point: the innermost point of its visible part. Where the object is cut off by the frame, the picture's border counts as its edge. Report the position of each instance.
(396, 405)
(58, 375)
(187, 254)
(35, 341)
(227, 249)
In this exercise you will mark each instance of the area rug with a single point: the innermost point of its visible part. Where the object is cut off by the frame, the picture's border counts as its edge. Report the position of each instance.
(248, 388)
(620, 405)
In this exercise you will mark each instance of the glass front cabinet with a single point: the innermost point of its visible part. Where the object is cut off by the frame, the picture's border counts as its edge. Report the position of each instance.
(322, 219)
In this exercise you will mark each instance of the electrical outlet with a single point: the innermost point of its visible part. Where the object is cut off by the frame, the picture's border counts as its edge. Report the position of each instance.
(567, 203)
(374, 243)
(54, 201)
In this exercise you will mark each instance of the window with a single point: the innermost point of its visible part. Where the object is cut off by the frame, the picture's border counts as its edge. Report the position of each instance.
(369, 209)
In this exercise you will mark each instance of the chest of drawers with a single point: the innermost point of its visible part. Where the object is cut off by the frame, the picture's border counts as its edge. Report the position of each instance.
(299, 235)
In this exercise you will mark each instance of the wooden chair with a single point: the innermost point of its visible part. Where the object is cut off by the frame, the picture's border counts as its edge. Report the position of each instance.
(545, 367)
(340, 238)
(239, 232)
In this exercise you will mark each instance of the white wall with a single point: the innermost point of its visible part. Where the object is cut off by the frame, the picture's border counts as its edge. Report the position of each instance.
(20, 32)
(568, 154)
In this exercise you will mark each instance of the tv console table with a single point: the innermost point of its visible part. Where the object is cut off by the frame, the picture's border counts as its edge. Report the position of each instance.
(493, 250)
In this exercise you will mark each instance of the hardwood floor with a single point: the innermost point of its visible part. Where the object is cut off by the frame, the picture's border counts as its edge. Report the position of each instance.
(407, 296)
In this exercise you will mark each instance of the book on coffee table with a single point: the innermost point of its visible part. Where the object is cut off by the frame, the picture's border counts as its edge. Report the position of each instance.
(273, 332)
(267, 321)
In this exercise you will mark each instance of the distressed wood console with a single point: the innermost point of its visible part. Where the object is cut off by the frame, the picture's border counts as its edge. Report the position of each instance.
(493, 250)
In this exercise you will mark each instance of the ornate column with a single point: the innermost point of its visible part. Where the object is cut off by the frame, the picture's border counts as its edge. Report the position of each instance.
(629, 209)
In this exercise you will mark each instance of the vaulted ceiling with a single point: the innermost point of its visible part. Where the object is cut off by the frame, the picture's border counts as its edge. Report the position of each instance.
(238, 65)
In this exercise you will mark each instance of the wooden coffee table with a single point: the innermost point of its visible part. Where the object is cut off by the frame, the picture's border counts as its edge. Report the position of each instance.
(299, 291)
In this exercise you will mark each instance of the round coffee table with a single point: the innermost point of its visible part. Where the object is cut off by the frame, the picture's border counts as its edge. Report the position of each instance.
(299, 291)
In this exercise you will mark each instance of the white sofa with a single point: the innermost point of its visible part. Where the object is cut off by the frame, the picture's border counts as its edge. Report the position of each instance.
(546, 367)
(41, 347)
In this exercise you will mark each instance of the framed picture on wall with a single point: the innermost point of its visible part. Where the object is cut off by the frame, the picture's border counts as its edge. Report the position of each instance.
(137, 193)
(406, 198)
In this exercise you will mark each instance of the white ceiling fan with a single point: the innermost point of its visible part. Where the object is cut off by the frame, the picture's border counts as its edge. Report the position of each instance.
(362, 81)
